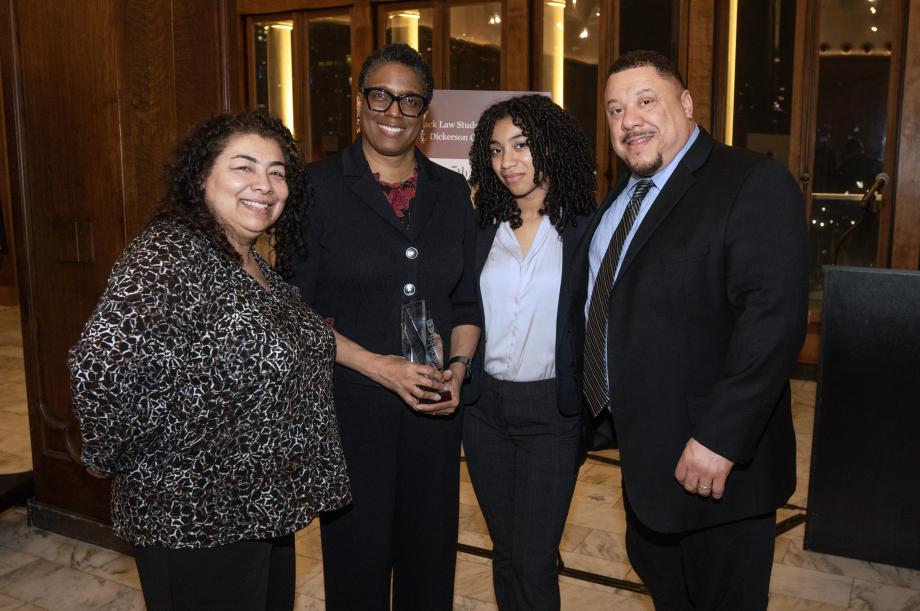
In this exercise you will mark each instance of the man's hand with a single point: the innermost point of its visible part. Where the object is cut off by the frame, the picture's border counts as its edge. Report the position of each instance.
(701, 471)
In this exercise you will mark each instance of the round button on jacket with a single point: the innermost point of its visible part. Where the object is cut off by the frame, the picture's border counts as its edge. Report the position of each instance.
(411, 252)
(409, 289)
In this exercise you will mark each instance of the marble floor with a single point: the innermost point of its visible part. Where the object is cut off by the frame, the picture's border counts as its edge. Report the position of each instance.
(41, 570)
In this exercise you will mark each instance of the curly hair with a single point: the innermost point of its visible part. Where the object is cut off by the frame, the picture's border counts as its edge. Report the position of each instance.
(560, 156)
(641, 58)
(192, 163)
(398, 53)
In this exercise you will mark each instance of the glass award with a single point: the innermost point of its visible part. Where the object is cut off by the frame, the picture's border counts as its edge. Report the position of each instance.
(421, 343)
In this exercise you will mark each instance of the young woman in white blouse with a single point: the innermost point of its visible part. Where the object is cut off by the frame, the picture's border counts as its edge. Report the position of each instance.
(534, 183)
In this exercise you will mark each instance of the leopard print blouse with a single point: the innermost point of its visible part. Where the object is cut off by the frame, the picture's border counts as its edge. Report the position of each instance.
(207, 398)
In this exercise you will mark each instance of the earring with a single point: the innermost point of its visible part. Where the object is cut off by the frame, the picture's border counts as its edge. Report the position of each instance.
(358, 124)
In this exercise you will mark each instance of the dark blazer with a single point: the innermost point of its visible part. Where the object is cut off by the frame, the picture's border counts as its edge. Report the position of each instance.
(707, 317)
(362, 263)
(568, 359)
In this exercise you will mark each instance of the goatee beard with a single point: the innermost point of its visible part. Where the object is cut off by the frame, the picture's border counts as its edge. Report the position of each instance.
(645, 170)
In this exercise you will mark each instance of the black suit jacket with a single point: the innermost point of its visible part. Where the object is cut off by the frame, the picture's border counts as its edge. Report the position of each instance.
(707, 316)
(361, 259)
(568, 343)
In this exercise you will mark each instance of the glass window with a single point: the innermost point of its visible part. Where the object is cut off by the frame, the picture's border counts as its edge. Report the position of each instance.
(414, 27)
(329, 53)
(854, 63)
(475, 46)
(650, 24)
(570, 56)
(759, 118)
(274, 80)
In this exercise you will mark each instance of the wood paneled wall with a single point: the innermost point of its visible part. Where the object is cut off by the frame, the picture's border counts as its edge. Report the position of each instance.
(700, 19)
(96, 94)
(516, 50)
(905, 243)
(9, 292)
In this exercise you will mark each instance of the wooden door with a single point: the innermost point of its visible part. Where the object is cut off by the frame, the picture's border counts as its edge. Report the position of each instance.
(96, 94)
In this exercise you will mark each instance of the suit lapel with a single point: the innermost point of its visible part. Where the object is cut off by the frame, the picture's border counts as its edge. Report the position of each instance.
(428, 190)
(599, 214)
(575, 242)
(484, 241)
(681, 179)
(362, 183)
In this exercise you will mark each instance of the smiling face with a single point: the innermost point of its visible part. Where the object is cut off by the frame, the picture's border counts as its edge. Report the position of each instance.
(512, 161)
(650, 118)
(389, 133)
(246, 188)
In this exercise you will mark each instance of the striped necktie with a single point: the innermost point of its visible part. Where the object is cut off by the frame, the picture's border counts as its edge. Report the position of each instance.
(596, 389)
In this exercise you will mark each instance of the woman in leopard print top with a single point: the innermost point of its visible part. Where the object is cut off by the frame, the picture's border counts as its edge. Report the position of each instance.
(203, 383)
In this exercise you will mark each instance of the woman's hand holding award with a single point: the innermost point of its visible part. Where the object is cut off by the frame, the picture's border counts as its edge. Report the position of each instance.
(421, 343)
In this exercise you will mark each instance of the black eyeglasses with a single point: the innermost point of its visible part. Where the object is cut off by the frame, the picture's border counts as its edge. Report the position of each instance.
(380, 100)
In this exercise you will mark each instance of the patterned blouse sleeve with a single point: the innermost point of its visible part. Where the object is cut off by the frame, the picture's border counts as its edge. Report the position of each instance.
(125, 367)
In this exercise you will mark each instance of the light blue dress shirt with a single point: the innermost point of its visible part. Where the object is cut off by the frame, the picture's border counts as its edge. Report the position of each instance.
(614, 213)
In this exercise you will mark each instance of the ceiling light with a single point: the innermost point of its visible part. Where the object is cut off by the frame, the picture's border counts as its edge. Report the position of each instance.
(584, 33)
(874, 28)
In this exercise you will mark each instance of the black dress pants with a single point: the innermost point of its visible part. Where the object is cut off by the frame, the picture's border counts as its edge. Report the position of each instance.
(721, 568)
(401, 529)
(245, 576)
(522, 456)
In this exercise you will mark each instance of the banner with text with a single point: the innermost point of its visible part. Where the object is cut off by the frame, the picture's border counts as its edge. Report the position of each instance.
(452, 118)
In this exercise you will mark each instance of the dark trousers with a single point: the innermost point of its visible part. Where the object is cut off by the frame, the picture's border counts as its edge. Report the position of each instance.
(721, 568)
(401, 528)
(522, 456)
(244, 576)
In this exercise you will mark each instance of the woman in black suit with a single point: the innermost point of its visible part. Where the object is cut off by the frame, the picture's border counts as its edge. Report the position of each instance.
(389, 226)
(534, 181)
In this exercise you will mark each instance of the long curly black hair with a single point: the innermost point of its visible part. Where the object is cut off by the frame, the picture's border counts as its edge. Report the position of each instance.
(192, 163)
(560, 154)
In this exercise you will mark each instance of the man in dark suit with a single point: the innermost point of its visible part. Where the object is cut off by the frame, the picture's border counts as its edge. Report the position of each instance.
(696, 311)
